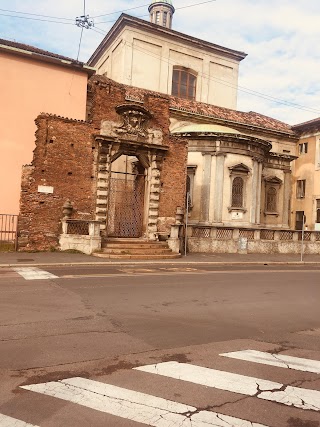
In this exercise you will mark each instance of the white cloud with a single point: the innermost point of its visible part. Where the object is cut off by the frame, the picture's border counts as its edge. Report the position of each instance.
(281, 41)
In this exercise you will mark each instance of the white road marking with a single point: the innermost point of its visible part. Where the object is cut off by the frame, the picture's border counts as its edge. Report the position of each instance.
(134, 406)
(250, 386)
(13, 422)
(34, 273)
(283, 361)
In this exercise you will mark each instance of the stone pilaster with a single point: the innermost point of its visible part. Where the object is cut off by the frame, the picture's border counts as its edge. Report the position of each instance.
(153, 208)
(205, 189)
(104, 169)
(286, 198)
(218, 188)
(258, 209)
(254, 191)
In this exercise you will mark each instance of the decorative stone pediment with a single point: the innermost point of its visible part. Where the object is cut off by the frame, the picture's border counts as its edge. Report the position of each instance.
(133, 126)
(239, 168)
(273, 180)
(134, 117)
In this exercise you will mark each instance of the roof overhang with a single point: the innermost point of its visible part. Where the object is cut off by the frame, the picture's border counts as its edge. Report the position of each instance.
(133, 22)
(73, 64)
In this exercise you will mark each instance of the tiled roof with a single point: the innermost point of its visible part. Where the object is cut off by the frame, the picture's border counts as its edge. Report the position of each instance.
(308, 124)
(36, 50)
(211, 111)
(251, 118)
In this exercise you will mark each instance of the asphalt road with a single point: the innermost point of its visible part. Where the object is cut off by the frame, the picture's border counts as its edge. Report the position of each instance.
(100, 322)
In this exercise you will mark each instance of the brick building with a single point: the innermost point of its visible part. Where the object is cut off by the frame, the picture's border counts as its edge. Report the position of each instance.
(121, 167)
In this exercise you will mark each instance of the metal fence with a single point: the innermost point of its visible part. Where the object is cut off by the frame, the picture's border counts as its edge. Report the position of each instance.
(8, 232)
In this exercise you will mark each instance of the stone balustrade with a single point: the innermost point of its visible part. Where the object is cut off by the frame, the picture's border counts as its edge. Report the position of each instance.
(211, 239)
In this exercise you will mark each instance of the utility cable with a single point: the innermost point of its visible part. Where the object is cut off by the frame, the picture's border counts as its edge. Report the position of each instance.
(121, 11)
(223, 82)
(36, 14)
(177, 8)
(37, 19)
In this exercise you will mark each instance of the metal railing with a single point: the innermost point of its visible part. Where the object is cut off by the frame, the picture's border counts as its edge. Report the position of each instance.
(8, 232)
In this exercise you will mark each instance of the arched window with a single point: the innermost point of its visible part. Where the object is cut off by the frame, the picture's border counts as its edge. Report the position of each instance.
(271, 199)
(237, 193)
(184, 83)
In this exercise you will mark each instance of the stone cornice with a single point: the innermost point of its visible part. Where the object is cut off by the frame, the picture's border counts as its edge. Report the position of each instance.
(133, 22)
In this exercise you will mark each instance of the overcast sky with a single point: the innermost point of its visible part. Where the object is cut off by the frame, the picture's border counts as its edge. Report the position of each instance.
(281, 38)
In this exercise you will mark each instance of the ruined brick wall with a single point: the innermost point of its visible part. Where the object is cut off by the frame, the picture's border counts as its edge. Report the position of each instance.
(173, 174)
(107, 95)
(63, 159)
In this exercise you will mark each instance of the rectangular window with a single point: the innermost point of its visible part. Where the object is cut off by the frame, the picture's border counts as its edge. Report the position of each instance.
(301, 188)
(165, 18)
(183, 83)
(299, 220)
(303, 148)
(157, 17)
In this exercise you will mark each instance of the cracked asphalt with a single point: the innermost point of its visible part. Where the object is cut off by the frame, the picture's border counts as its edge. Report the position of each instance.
(99, 322)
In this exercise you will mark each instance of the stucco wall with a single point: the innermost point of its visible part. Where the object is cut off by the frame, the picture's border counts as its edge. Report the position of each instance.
(307, 166)
(27, 88)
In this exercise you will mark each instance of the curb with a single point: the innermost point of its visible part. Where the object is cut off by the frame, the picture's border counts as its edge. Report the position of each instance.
(117, 263)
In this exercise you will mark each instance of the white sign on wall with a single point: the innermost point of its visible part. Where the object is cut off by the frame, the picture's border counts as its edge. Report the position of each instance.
(236, 215)
(45, 189)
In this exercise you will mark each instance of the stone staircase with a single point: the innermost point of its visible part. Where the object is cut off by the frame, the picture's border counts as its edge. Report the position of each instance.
(131, 248)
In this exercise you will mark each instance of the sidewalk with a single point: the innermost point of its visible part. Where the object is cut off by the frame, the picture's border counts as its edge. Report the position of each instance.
(20, 259)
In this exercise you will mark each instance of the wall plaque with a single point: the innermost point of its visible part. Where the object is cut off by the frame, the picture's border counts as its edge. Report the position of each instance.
(46, 189)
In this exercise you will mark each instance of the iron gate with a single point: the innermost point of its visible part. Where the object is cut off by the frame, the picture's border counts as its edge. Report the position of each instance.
(125, 208)
(8, 232)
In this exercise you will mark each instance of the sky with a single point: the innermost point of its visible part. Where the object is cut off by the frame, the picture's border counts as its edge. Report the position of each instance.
(281, 38)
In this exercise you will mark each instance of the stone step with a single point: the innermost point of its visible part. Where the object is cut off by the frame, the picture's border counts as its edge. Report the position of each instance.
(144, 246)
(135, 248)
(136, 251)
(131, 240)
(145, 256)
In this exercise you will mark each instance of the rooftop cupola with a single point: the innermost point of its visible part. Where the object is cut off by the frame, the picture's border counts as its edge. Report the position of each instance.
(161, 12)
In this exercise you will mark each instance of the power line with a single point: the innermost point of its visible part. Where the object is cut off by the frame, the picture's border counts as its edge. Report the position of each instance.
(53, 20)
(102, 32)
(36, 14)
(224, 83)
(37, 19)
(121, 11)
(142, 16)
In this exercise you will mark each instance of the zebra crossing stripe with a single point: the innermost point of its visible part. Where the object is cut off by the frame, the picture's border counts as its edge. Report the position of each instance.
(250, 386)
(6, 421)
(283, 361)
(135, 406)
(34, 273)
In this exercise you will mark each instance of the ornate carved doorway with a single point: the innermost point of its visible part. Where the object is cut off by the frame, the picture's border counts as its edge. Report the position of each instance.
(126, 198)
(129, 164)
